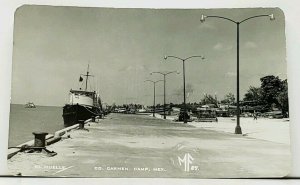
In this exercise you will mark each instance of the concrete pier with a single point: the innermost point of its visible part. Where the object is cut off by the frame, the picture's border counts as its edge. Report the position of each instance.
(141, 146)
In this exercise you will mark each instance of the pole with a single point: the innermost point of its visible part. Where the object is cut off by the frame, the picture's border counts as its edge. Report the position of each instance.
(154, 101)
(164, 74)
(87, 76)
(184, 100)
(154, 82)
(164, 96)
(238, 129)
(86, 80)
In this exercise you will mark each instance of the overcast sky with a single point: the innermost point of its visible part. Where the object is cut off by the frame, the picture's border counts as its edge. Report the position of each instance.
(53, 46)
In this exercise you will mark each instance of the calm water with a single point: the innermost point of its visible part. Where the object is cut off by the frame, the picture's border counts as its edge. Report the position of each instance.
(24, 121)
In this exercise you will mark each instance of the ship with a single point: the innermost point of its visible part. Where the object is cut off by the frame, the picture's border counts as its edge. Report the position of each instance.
(83, 104)
(29, 105)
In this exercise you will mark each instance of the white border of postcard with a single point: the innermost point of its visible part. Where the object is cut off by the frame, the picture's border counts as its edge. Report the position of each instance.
(290, 8)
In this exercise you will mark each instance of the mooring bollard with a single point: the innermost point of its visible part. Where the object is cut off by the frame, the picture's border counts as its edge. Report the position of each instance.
(40, 139)
(39, 145)
(81, 125)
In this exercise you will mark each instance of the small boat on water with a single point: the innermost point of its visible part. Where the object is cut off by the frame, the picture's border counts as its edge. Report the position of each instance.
(83, 104)
(30, 105)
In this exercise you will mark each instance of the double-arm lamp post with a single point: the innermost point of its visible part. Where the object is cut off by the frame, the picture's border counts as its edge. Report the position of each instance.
(238, 129)
(165, 74)
(183, 65)
(154, 82)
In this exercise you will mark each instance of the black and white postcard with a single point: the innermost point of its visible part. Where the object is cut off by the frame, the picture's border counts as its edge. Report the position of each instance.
(138, 93)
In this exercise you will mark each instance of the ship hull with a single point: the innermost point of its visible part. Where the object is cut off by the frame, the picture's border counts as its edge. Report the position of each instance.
(73, 114)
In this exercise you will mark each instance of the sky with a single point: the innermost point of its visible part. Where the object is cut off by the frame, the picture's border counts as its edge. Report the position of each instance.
(54, 45)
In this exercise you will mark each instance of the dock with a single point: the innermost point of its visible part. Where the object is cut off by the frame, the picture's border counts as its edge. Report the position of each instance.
(124, 145)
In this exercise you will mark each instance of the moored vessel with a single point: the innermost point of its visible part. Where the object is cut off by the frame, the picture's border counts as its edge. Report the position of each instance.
(29, 105)
(83, 104)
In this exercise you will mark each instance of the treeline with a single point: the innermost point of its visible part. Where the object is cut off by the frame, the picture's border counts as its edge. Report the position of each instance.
(272, 93)
(128, 106)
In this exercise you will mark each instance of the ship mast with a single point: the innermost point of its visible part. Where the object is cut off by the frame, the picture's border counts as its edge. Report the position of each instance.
(87, 76)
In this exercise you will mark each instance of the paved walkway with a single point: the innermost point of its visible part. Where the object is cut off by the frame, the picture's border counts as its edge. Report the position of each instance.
(142, 146)
(275, 130)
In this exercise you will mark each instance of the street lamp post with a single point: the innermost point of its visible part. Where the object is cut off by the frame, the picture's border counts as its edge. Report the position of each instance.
(238, 129)
(154, 82)
(165, 74)
(183, 66)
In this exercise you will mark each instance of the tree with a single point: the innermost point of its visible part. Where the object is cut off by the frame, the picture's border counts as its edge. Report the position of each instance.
(253, 94)
(282, 98)
(271, 86)
(273, 92)
(228, 99)
(209, 99)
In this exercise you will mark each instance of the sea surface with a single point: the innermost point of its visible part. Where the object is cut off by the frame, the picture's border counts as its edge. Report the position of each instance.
(23, 121)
